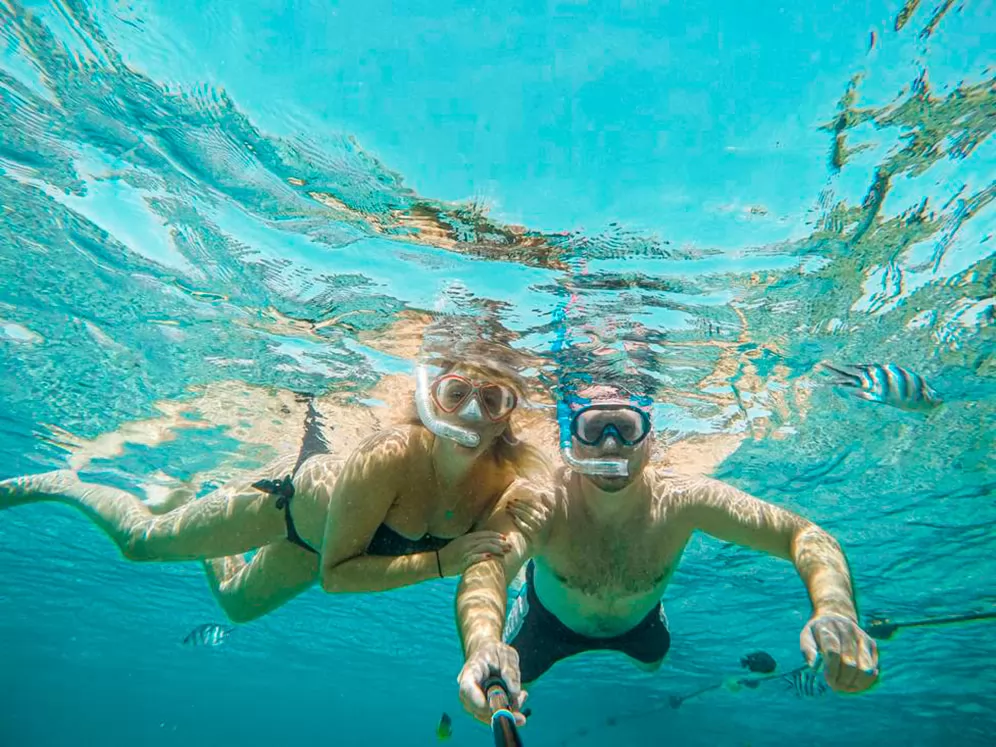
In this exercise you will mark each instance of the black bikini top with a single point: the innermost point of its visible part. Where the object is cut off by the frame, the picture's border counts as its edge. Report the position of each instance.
(387, 542)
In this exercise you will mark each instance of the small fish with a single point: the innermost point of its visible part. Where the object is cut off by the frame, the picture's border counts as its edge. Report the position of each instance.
(887, 384)
(871, 41)
(760, 662)
(208, 634)
(445, 728)
(806, 682)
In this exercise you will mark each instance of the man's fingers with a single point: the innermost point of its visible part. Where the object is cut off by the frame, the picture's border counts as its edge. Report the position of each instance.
(523, 516)
(807, 643)
(859, 671)
(868, 656)
(487, 536)
(471, 694)
(525, 509)
(849, 676)
(508, 662)
(861, 681)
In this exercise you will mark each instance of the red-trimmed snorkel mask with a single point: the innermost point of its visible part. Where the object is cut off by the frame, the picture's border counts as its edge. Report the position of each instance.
(469, 401)
(451, 392)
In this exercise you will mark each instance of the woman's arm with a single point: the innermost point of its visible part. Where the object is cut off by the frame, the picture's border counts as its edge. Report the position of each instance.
(361, 498)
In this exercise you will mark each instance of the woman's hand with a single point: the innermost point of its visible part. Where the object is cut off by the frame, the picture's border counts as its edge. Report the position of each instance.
(471, 548)
(531, 513)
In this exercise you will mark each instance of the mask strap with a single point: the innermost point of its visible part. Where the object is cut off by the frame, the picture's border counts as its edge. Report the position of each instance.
(509, 438)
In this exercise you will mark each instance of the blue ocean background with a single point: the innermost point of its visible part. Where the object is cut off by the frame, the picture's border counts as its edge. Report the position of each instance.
(208, 206)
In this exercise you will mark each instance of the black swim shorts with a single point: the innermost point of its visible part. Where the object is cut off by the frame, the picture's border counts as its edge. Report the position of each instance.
(542, 640)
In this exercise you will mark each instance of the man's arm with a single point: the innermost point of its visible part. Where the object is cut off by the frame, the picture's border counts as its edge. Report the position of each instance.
(833, 632)
(732, 515)
(482, 594)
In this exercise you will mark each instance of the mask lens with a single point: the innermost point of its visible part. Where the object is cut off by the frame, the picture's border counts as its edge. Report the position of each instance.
(498, 400)
(629, 424)
(451, 391)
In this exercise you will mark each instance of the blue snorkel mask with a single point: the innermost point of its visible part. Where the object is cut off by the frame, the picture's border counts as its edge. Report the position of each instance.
(584, 419)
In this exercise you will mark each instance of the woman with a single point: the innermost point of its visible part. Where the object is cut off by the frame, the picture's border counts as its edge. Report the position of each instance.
(402, 509)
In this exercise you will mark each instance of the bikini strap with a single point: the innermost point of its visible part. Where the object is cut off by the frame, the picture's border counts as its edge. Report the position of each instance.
(285, 490)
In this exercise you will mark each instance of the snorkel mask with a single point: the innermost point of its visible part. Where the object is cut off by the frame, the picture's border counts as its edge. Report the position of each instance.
(585, 420)
(472, 401)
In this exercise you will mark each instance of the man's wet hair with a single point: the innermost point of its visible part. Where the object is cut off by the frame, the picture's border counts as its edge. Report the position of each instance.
(608, 387)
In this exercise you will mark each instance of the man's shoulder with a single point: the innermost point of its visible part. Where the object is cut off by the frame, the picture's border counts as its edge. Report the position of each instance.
(666, 481)
(679, 489)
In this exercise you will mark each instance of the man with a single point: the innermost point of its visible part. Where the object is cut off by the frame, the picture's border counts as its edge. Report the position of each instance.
(605, 546)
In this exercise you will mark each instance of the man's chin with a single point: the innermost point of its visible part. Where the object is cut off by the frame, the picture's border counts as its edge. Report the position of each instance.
(611, 484)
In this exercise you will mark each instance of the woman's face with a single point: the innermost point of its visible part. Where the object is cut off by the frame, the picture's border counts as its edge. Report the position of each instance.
(472, 399)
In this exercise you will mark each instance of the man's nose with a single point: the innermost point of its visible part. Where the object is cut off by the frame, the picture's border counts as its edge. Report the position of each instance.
(610, 443)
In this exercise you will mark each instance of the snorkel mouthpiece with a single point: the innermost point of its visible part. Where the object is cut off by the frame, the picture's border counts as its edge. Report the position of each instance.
(607, 467)
(427, 414)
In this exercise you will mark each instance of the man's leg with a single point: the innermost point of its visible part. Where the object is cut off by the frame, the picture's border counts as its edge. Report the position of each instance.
(648, 643)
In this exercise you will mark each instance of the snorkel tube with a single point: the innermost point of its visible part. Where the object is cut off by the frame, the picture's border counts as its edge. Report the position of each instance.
(427, 414)
(608, 467)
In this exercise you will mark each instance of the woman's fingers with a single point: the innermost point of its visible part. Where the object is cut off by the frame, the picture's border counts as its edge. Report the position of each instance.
(470, 560)
(497, 547)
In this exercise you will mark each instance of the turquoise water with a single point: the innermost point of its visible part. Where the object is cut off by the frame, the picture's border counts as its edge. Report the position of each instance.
(207, 206)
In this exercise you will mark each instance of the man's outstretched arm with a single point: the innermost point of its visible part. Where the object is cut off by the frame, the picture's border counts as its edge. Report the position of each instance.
(734, 516)
(481, 601)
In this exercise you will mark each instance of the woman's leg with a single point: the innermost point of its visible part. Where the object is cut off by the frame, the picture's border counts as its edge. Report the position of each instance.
(162, 500)
(234, 519)
(276, 574)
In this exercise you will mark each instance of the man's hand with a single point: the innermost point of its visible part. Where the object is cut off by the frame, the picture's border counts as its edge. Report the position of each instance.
(493, 659)
(849, 654)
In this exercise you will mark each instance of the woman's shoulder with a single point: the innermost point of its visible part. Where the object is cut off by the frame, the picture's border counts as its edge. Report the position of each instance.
(389, 446)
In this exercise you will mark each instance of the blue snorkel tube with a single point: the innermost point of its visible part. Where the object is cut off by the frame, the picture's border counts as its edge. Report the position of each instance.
(609, 467)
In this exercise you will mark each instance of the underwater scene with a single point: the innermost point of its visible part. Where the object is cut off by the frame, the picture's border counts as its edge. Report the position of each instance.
(365, 365)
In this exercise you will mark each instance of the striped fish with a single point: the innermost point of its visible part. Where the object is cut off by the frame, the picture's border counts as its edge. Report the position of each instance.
(208, 634)
(887, 384)
(806, 682)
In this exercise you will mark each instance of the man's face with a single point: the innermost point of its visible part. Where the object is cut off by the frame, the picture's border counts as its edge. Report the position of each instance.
(612, 427)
